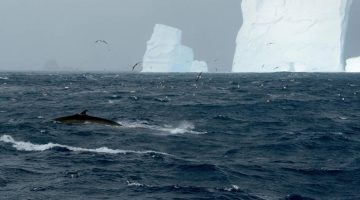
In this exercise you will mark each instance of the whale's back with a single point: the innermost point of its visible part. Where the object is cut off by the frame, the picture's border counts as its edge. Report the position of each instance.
(85, 119)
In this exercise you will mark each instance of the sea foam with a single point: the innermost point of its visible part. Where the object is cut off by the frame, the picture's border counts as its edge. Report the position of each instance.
(28, 146)
(184, 127)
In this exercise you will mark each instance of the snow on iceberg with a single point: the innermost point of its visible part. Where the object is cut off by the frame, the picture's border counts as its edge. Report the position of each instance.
(353, 64)
(165, 53)
(292, 35)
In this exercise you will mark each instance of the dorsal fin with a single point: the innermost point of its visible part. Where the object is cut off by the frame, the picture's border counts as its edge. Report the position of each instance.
(83, 112)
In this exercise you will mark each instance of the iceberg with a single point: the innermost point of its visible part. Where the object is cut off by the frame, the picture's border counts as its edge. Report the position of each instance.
(199, 66)
(353, 64)
(165, 53)
(292, 35)
(51, 65)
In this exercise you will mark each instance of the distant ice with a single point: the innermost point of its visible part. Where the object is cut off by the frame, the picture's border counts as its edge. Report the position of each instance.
(199, 66)
(353, 64)
(165, 53)
(292, 35)
(51, 65)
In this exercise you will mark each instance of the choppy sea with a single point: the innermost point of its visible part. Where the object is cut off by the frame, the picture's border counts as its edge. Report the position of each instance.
(226, 136)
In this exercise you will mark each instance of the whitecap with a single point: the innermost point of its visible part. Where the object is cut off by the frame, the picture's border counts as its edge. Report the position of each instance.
(28, 146)
(131, 183)
(232, 188)
(89, 77)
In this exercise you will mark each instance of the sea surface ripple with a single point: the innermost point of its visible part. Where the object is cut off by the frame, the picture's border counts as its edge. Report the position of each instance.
(226, 136)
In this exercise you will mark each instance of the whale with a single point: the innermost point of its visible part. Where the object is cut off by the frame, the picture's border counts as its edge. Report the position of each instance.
(83, 118)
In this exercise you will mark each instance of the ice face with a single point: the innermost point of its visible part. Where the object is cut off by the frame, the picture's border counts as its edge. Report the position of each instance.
(353, 64)
(292, 35)
(199, 66)
(51, 65)
(165, 53)
(165, 35)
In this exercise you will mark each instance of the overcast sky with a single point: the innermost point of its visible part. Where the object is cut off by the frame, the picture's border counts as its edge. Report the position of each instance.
(36, 32)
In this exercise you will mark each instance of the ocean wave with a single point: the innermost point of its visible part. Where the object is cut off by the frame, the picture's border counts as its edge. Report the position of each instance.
(133, 183)
(230, 192)
(182, 128)
(28, 146)
(224, 118)
(296, 197)
(320, 171)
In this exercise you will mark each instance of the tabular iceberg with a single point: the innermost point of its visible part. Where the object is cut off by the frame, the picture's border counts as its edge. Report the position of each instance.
(292, 35)
(353, 64)
(165, 53)
(51, 65)
(199, 66)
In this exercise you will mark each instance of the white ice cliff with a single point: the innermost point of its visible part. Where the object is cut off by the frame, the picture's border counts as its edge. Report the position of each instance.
(353, 64)
(292, 35)
(165, 53)
(199, 66)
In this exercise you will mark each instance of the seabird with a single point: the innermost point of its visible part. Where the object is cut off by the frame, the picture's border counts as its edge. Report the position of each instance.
(198, 77)
(101, 41)
(136, 64)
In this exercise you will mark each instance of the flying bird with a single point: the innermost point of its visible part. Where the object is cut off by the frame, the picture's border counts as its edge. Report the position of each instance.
(198, 77)
(101, 41)
(136, 64)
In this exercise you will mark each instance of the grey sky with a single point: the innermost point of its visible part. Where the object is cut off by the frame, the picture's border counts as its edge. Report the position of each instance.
(35, 31)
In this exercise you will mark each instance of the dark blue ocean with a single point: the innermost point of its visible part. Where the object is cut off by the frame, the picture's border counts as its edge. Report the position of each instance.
(226, 136)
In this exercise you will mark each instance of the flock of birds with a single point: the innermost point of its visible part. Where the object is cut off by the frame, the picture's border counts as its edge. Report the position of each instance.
(133, 67)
